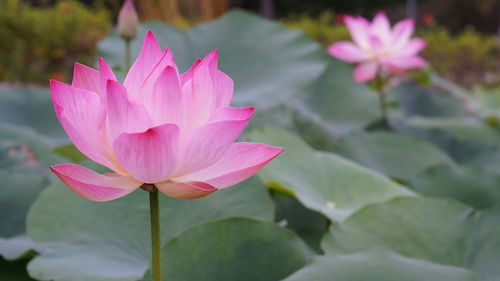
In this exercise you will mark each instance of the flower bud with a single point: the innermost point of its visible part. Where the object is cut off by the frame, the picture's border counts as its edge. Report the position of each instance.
(128, 20)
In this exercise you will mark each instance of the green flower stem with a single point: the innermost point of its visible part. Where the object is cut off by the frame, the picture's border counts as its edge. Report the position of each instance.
(128, 54)
(383, 106)
(155, 236)
(379, 86)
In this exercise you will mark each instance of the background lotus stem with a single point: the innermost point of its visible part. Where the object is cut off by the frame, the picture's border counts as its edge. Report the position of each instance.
(127, 54)
(379, 86)
(155, 236)
(383, 106)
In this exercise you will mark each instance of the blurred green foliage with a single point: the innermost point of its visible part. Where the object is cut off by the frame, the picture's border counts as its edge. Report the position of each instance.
(468, 57)
(42, 43)
(321, 28)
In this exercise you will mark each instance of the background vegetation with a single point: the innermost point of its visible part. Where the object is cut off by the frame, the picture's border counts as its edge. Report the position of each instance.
(43, 43)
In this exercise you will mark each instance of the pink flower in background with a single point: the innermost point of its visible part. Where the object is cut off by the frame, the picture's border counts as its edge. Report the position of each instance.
(176, 131)
(57, 76)
(340, 18)
(428, 19)
(378, 48)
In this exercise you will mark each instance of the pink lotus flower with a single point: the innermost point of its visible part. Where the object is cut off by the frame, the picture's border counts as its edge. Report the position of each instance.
(378, 48)
(175, 131)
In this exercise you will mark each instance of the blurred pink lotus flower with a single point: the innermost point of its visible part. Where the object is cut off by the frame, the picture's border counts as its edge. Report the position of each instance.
(176, 131)
(378, 48)
(128, 20)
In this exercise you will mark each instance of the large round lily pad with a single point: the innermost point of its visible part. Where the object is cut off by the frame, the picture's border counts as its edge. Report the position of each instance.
(23, 178)
(323, 181)
(95, 241)
(336, 106)
(470, 185)
(391, 154)
(234, 249)
(438, 231)
(29, 108)
(378, 265)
